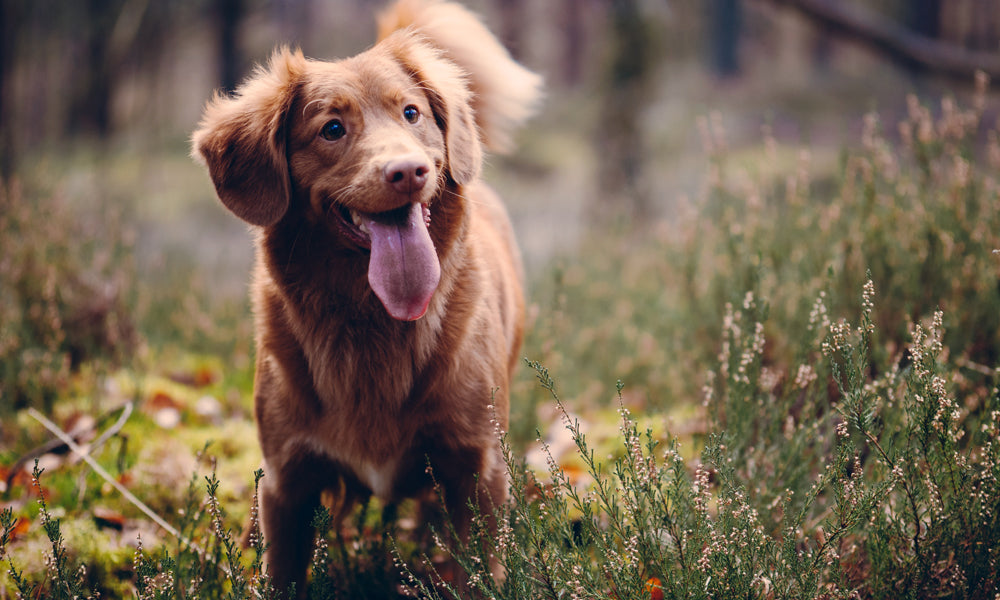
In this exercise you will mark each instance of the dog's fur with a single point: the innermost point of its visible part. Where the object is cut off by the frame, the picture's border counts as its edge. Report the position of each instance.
(357, 388)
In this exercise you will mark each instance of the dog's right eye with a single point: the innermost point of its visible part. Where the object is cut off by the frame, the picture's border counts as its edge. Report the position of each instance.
(333, 131)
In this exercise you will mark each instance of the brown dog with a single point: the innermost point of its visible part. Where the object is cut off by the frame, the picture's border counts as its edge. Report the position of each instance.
(387, 289)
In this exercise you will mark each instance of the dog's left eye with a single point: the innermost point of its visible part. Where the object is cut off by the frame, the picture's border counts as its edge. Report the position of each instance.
(411, 113)
(333, 131)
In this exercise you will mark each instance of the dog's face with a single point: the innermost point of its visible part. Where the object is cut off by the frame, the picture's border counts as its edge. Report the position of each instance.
(363, 142)
(363, 148)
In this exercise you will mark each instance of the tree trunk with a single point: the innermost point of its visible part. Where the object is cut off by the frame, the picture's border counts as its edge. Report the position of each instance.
(726, 22)
(90, 111)
(7, 45)
(572, 21)
(620, 142)
(228, 14)
(512, 25)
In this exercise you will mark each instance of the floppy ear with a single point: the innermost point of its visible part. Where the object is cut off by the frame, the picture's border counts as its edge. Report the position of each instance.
(450, 99)
(241, 139)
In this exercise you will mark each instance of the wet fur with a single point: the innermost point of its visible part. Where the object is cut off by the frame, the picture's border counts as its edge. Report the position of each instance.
(346, 397)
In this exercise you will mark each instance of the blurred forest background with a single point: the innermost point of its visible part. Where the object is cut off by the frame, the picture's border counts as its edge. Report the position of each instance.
(113, 243)
(688, 152)
(113, 246)
(99, 96)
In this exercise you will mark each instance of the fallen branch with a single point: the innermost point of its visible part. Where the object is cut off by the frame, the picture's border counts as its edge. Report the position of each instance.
(84, 429)
(898, 42)
(82, 453)
(110, 431)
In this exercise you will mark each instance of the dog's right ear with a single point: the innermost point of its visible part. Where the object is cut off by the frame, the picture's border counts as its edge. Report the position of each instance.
(241, 139)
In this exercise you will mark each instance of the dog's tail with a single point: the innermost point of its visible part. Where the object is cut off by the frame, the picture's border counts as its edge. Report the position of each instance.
(505, 93)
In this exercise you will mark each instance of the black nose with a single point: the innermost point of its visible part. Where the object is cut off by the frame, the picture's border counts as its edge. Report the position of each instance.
(407, 175)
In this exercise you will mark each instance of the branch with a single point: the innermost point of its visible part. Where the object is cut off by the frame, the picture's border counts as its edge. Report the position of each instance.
(898, 42)
(59, 433)
(82, 453)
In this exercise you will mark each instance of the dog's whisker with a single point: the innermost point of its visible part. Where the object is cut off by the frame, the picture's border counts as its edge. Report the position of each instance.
(470, 199)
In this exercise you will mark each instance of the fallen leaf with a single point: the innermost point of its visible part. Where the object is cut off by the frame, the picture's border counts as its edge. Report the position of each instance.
(160, 400)
(654, 588)
(107, 518)
(21, 527)
(197, 378)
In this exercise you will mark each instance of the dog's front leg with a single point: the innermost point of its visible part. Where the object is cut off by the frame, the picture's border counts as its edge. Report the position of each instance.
(474, 485)
(287, 507)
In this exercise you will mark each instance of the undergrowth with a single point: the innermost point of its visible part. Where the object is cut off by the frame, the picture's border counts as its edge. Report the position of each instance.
(845, 443)
(64, 295)
(886, 486)
(914, 203)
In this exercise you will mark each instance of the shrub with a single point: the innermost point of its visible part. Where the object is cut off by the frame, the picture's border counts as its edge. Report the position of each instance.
(889, 491)
(63, 286)
(918, 212)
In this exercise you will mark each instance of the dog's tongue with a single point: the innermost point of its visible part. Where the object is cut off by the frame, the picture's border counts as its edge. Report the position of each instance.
(404, 269)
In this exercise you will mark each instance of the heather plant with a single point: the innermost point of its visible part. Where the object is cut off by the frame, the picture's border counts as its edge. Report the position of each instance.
(867, 480)
(861, 498)
(914, 203)
(819, 457)
(63, 291)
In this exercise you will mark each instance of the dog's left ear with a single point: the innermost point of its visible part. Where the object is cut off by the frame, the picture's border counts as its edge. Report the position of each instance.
(450, 99)
(241, 139)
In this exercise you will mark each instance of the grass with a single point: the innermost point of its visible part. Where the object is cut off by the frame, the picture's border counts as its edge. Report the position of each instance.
(788, 391)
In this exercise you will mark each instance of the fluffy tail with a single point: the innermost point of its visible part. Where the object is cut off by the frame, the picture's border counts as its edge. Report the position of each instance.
(505, 94)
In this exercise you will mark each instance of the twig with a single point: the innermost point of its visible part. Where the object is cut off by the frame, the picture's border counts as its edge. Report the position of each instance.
(58, 445)
(126, 413)
(62, 435)
(73, 446)
(119, 424)
(978, 368)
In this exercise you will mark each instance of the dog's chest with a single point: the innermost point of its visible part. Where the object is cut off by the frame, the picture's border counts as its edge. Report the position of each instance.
(367, 439)
(374, 464)
(379, 479)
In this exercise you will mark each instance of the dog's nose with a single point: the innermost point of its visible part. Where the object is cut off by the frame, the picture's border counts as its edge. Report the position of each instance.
(407, 175)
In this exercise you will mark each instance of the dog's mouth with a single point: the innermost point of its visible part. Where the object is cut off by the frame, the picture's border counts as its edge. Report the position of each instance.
(403, 269)
(354, 225)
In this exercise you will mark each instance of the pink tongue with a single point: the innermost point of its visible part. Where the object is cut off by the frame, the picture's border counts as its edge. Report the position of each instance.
(403, 270)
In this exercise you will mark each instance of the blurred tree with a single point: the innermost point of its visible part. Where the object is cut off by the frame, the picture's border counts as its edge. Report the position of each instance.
(924, 18)
(725, 20)
(627, 90)
(7, 36)
(574, 39)
(512, 22)
(295, 19)
(90, 104)
(228, 14)
(904, 44)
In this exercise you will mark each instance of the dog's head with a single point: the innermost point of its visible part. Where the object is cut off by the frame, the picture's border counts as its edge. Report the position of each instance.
(362, 148)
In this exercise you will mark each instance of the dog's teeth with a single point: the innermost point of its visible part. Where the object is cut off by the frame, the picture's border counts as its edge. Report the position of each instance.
(359, 222)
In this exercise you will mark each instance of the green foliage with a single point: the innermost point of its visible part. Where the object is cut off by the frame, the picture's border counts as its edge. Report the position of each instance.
(830, 458)
(900, 501)
(919, 214)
